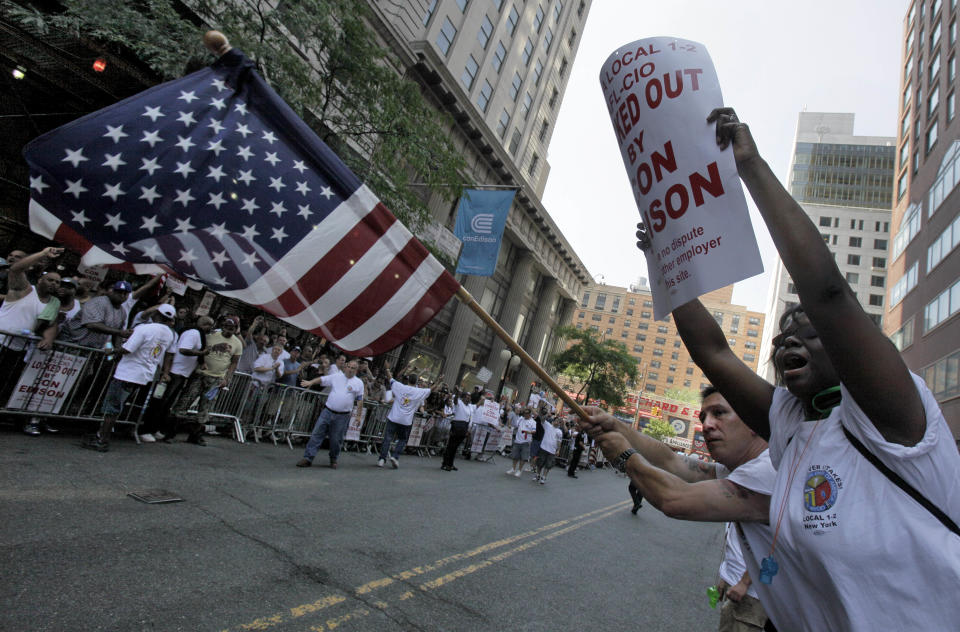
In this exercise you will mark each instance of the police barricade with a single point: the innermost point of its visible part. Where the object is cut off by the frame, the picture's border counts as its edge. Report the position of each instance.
(371, 433)
(64, 382)
(302, 414)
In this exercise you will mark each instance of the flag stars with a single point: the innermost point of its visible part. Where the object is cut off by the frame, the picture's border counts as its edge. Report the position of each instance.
(150, 224)
(154, 252)
(149, 165)
(219, 258)
(75, 187)
(149, 194)
(218, 103)
(187, 257)
(245, 153)
(114, 222)
(113, 191)
(218, 230)
(276, 184)
(243, 130)
(186, 118)
(305, 211)
(250, 259)
(116, 133)
(216, 199)
(114, 161)
(271, 157)
(270, 137)
(278, 234)
(75, 157)
(184, 169)
(216, 173)
(219, 84)
(299, 166)
(37, 184)
(278, 208)
(151, 137)
(326, 192)
(119, 248)
(216, 147)
(241, 108)
(152, 113)
(303, 188)
(184, 197)
(183, 226)
(246, 177)
(80, 218)
(216, 126)
(250, 205)
(189, 97)
(249, 232)
(184, 143)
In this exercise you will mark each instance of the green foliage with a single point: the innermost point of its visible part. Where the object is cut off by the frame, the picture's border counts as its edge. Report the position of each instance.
(659, 429)
(687, 395)
(321, 56)
(601, 367)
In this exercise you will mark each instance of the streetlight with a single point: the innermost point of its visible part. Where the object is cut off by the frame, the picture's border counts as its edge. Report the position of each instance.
(510, 362)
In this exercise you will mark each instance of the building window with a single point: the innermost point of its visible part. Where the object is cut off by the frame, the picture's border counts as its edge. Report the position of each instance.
(951, 106)
(931, 137)
(645, 314)
(553, 98)
(933, 101)
(942, 377)
(586, 299)
(641, 337)
(676, 344)
(934, 68)
(538, 19)
(580, 8)
(879, 244)
(951, 69)
(498, 56)
(749, 357)
(880, 263)
(856, 242)
(750, 344)
(904, 154)
(616, 304)
(629, 311)
(537, 72)
(512, 20)
(901, 186)
(515, 86)
(547, 40)
(903, 337)
(563, 66)
(515, 142)
(498, 4)
(601, 302)
(431, 7)
(527, 52)
(935, 35)
(658, 352)
(626, 323)
(753, 333)
(876, 300)
(502, 124)
(662, 329)
(544, 126)
(612, 320)
(608, 331)
(853, 277)
(753, 320)
(445, 38)
(469, 72)
(638, 348)
(853, 260)
(483, 99)
(643, 326)
(557, 10)
(525, 106)
(826, 221)
(581, 315)
(942, 307)
(462, 4)
(877, 281)
(596, 317)
(943, 245)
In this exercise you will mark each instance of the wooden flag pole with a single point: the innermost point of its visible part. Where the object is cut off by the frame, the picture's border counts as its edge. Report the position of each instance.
(467, 299)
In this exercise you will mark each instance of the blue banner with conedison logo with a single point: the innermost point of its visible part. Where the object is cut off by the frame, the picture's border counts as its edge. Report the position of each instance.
(481, 218)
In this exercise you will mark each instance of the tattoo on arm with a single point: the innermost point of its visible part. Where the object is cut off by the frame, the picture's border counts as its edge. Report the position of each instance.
(700, 467)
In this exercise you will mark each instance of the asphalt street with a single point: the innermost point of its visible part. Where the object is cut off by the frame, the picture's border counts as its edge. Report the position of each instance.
(258, 544)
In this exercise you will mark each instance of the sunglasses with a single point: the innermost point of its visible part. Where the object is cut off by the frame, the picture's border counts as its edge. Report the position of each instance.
(806, 332)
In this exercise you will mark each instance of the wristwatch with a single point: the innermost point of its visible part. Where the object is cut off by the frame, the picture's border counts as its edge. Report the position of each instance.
(621, 461)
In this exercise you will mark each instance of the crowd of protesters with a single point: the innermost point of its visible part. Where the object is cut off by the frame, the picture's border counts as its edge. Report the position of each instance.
(175, 362)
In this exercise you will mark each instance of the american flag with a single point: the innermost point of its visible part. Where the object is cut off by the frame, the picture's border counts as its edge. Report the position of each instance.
(215, 177)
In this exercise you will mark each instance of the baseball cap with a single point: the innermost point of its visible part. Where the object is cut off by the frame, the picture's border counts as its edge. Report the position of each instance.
(68, 281)
(122, 286)
(167, 310)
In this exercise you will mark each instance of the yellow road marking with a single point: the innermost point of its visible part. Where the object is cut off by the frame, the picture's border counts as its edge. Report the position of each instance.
(265, 623)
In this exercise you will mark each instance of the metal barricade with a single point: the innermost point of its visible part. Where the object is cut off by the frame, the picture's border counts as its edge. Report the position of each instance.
(303, 414)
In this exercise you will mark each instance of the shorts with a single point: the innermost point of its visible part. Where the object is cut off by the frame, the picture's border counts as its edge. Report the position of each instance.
(547, 460)
(520, 451)
(534, 448)
(117, 394)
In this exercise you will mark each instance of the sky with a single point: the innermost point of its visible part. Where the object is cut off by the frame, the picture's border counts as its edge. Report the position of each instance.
(774, 59)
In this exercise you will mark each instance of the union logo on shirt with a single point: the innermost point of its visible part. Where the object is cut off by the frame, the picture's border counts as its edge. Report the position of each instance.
(820, 490)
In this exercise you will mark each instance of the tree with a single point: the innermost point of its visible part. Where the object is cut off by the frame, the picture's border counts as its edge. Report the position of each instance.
(601, 367)
(687, 395)
(659, 429)
(321, 56)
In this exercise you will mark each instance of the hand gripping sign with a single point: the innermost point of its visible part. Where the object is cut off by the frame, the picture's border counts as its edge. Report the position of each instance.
(659, 92)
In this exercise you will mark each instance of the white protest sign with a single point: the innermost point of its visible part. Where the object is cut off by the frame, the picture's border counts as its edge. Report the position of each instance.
(46, 381)
(356, 423)
(416, 432)
(490, 414)
(659, 92)
(176, 285)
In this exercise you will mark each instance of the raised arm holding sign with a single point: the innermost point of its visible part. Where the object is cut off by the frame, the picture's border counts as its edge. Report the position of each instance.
(686, 188)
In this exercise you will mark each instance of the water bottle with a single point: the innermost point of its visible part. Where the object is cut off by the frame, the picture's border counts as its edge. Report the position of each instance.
(109, 348)
(212, 393)
(713, 595)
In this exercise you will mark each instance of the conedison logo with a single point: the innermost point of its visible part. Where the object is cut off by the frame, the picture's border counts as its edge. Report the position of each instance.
(482, 223)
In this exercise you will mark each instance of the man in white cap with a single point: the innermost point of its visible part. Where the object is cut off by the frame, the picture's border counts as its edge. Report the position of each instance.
(140, 355)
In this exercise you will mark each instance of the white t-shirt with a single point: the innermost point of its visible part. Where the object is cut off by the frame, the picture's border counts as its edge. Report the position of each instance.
(463, 410)
(875, 557)
(20, 315)
(145, 349)
(526, 427)
(184, 365)
(406, 401)
(343, 392)
(265, 360)
(551, 438)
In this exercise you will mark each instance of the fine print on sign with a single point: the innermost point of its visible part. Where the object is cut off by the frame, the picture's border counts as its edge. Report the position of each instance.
(659, 92)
